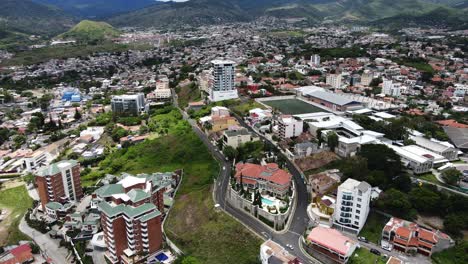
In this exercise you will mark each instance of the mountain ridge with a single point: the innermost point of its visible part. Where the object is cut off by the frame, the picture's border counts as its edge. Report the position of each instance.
(202, 12)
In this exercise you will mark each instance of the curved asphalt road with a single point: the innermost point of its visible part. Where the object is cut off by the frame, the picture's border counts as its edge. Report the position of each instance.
(299, 220)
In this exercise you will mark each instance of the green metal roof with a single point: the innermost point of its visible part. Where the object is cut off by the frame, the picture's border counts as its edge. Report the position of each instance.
(137, 195)
(150, 216)
(109, 190)
(54, 168)
(130, 211)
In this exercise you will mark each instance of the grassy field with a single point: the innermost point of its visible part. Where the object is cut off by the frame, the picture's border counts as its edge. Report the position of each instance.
(193, 224)
(16, 202)
(63, 52)
(430, 178)
(244, 108)
(364, 256)
(372, 230)
(293, 106)
(454, 255)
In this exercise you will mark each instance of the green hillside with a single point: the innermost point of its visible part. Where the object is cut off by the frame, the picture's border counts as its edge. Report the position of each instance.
(27, 17)
(90, 31)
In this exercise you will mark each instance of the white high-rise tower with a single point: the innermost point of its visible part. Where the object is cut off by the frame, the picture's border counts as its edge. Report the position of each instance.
(223, 86)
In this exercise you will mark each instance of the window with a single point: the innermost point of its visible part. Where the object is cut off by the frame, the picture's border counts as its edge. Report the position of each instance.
(359, 199)
(358, 211)
(358, 205)
(356, 222)
(357, 217)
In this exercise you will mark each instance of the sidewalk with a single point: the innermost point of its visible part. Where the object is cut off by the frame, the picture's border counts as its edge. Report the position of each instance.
(48, 245)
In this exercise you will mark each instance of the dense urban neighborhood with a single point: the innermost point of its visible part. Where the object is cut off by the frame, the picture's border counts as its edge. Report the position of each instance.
(269, 141)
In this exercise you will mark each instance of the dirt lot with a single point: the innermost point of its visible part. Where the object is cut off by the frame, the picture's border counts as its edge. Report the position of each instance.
(316, 161)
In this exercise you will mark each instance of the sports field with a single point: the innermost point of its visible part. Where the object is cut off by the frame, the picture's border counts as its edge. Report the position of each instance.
(293, 106)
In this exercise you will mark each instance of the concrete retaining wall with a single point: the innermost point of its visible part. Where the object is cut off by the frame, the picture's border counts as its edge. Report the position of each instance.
(279, 220)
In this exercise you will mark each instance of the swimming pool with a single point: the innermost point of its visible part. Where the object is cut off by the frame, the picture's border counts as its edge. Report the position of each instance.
(267, 201)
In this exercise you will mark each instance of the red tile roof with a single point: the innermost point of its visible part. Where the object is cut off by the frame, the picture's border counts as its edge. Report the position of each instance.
(270, 172)
(451, 123)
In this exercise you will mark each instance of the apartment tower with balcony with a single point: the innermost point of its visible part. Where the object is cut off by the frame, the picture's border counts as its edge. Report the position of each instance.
(352, 205)
(131, 215)
(223, 81)
(59, 182)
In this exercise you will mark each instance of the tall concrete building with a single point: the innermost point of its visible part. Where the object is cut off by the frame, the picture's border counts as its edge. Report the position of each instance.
(334, 80)
(223, 86)
(315, 60)
(366, 78)
(352, 205)
(128, 104)
(131, 215)
(59, 182)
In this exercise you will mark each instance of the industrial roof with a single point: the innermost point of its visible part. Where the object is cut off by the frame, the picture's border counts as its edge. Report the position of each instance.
(332, 98)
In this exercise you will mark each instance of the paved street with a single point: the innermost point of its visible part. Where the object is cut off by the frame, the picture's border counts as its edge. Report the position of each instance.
(299, 218)
(48, 245)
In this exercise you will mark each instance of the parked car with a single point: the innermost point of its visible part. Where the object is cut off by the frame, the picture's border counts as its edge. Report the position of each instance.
(387, 247)
(375, 251)
(363, 239)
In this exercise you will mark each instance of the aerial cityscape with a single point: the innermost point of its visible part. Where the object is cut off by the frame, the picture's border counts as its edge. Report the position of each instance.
(233, 131)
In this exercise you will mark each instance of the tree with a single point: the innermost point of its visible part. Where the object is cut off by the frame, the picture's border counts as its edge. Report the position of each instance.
(451, 176)
(396, 203)
(207, 126)
(257, 199)
(34, 248)
(19, 140)
(355, 167)
(426, 200)
(380, 157)
(77, 115)
(230, 152)
(332, 141)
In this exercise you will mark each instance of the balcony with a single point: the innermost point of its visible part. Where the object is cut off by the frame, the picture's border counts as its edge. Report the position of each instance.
(347, 198)
(346, 209)
(345, 215)
(345, 221)
(343, 203)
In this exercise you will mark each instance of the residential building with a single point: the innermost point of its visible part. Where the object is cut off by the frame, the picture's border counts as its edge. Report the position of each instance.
(267, 177)
(272, 252)
(391, 89)
(448, 152)
(366, 78)
(409, 237)
(289, 127)
(305, 149)
(220, 119)
(223, 85)
(352, 205)
(334, 80)
(320, 183)
(37, 159)
(162, 91)
(60, 183)
(131, 215)
(315, 60)
(19, 254)
(330, 244)
(235, 138)
(128, 104)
